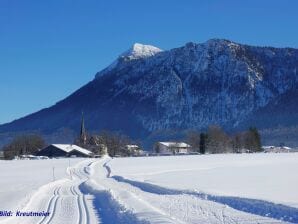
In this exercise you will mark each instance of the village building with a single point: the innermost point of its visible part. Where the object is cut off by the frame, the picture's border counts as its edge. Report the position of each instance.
(2, 156)
(134, 150)
(172, 148)
(93, 142)
(276, 149)
(64, 150)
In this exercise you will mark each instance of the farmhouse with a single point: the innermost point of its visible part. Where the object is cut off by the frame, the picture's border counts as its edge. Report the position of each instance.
(172, 148)
(1, 155)
(134, 150)
(64, 150)
(281, 149)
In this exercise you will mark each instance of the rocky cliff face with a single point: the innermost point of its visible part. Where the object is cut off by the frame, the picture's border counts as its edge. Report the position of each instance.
(147, 89)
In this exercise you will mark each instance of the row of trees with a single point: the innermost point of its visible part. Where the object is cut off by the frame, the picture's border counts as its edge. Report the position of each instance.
(112, 143)
(22, 145)
(215, 140)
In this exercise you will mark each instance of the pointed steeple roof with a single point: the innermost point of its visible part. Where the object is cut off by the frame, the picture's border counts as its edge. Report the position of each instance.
(83, 133)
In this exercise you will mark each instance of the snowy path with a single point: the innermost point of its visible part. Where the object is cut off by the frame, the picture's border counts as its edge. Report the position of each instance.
(91, 195)
(63, 200)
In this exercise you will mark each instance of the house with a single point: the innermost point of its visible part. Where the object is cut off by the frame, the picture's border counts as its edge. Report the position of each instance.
(280, 149)
(64, 150)
(134, 150)
(172, 148)
(2, 156)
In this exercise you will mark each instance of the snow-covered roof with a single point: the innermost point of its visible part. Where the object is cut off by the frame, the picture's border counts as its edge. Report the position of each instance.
(285, 147)
(276, 147)
(132, 146)
(268, 147)
(68, 148)
(176, 144)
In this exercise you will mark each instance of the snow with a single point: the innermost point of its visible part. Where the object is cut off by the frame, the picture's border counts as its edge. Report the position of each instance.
(175, 144)
(137, 51)
(141, 51)
(62, 198)
(152, 203)
(68, 148)
(19, 179)
(270, 177)
(175, 189)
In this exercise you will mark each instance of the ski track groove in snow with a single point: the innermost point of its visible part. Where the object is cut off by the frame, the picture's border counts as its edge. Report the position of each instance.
(53, 205)
(50, 204)
(85, 205)
(83, 211)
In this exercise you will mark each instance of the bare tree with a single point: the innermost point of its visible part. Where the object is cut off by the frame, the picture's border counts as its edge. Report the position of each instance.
(217, 140)
(156, 147)
(253, 140)
(25, 144)
(115, 143)
(238, 142)
(193, 139)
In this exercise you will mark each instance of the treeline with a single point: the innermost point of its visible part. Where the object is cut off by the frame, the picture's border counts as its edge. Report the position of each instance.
(215, 140)
(113, 143)
(23, 145)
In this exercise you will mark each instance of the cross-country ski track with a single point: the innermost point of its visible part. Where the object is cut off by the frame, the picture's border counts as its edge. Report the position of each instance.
(92, 195)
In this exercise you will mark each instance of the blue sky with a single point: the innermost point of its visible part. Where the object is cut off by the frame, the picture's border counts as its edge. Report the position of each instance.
(48, 49)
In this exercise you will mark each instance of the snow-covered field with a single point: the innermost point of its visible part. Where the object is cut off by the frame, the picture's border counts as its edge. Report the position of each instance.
(19, 179)
(270, 177)
(247, 188)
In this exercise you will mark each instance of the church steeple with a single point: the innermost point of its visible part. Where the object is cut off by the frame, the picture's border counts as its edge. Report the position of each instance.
(83, 133)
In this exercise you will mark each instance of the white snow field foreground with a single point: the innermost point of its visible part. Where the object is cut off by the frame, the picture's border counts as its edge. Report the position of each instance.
(246, 188)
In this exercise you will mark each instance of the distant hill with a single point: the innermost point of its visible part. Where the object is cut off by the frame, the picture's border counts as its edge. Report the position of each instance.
(149, 92)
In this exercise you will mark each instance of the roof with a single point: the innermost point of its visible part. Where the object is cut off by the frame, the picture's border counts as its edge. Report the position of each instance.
(175, 144)
(68, 148)
(132, 146)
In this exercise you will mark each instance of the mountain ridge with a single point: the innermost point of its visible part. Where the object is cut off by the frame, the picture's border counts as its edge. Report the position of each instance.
(190, 87)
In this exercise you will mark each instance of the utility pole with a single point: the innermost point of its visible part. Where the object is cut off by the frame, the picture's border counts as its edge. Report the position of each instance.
(53, 173)
(70, 170)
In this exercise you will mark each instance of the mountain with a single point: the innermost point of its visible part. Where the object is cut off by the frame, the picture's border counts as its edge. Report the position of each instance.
(147, 90)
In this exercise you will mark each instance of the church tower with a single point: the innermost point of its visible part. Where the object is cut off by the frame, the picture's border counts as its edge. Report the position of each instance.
(83, 133)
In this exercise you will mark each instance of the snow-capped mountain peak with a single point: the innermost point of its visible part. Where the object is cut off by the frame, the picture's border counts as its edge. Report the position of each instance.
(140, 51)
(137, 51)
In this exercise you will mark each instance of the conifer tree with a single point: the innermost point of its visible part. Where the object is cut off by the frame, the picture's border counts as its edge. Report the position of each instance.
(203, 143)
